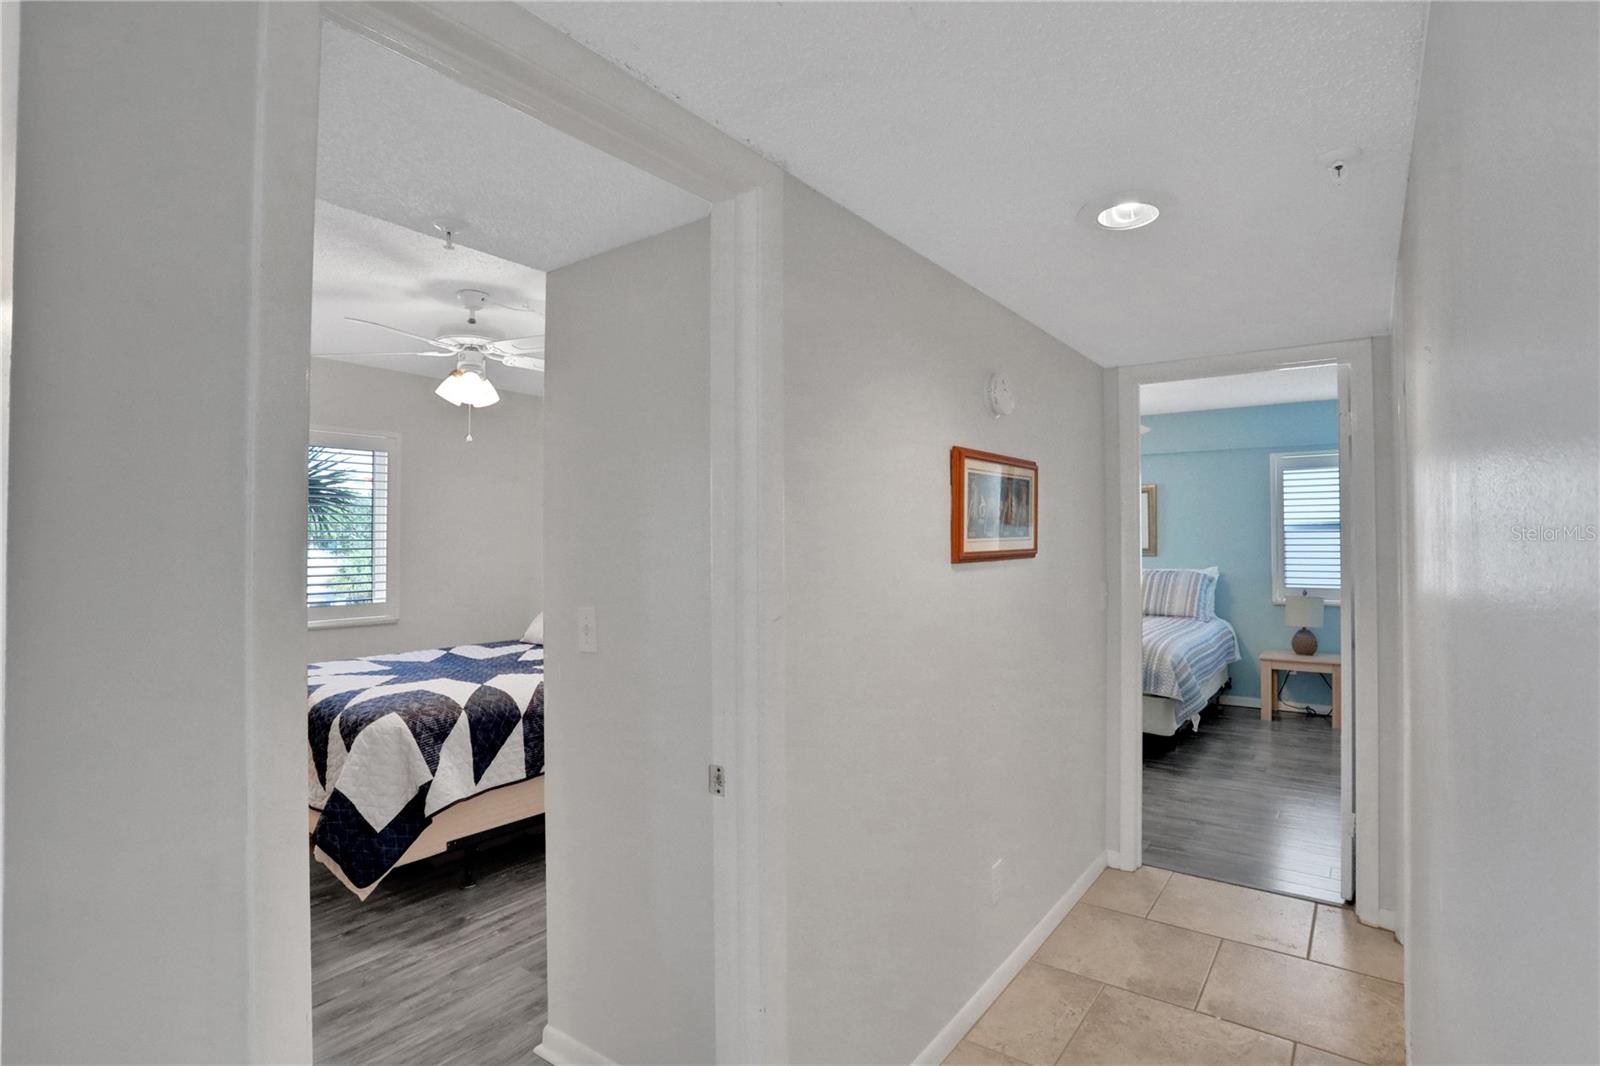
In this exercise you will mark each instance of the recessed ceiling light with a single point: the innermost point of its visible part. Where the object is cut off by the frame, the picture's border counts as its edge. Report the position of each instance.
(1130, 214)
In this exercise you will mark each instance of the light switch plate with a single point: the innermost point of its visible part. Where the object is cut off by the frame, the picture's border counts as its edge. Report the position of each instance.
(588, 630)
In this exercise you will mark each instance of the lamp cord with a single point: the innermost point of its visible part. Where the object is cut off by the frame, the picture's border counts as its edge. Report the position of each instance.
(1303, 708)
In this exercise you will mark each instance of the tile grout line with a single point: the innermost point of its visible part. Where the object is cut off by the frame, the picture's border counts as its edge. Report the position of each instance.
(1301, 1043)
(1267, 1032)
(1229, 939)
(1202, 993)
(1229, 1021)
(1085, 1018)
(967, 1036)
(1202, 932)
(1294, 1043)
(1159, 894)
(1100, 986)
(1301, 896)
(1310, 940)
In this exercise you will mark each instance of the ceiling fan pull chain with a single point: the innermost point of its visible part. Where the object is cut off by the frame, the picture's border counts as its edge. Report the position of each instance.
(468, 406)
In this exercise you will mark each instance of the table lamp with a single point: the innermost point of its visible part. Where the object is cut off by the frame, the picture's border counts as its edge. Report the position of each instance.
(1303, 611)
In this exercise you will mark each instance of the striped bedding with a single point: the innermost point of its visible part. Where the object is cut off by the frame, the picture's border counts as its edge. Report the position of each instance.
(1181, 654)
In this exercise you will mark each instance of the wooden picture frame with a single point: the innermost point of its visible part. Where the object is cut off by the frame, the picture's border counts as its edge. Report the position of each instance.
(994, 506)
(1147, 520)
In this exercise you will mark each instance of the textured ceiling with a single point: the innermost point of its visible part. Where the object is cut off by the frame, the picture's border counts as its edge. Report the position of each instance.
(986, 136)
(402, 142)
(377, 270)
(401, 145)
(1240, 390)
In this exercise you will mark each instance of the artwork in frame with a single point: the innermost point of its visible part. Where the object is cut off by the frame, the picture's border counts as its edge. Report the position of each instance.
(1147, 519)
(994, 506)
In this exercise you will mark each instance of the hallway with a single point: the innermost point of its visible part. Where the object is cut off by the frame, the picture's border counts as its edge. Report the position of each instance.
(1159, 967)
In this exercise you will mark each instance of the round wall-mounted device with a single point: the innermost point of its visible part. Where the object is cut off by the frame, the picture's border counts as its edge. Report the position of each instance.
(1002, 401)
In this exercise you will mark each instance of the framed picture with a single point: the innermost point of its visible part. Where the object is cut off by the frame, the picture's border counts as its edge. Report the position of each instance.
(1147, 519)
(994, 506)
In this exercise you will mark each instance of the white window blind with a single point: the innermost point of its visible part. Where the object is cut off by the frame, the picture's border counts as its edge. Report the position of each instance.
(349, 512)
(1305, 520)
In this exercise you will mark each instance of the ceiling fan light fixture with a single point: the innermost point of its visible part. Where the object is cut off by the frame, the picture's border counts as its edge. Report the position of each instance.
(1129, 214)
(467, 386)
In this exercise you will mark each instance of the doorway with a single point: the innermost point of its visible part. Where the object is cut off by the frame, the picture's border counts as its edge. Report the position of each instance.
(1240, 509)
(1358, 737)
(506, 54)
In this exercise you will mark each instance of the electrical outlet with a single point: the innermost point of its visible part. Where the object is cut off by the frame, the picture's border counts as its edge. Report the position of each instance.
(588, 630)
(997, 881)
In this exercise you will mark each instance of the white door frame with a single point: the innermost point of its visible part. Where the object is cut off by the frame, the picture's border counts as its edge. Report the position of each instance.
(10, 25)
(1359, 615)
(507, 53)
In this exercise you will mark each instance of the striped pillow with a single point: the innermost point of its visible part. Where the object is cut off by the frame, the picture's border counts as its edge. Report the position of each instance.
(1180, 593)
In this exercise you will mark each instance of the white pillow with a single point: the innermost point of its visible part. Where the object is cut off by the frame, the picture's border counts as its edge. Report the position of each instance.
(535, 633)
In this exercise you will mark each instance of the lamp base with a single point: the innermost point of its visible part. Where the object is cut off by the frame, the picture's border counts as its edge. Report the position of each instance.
(1304, 642)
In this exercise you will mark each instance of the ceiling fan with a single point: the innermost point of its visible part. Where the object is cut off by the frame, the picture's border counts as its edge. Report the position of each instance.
(472, 349)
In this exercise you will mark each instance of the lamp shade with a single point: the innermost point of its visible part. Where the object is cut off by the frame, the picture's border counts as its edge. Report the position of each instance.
(467, 386)
(1302, 611)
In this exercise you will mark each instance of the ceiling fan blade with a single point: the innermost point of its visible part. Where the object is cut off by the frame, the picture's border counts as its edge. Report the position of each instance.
(371, 355)
(393, 329)
(519, 362)
(518, 345)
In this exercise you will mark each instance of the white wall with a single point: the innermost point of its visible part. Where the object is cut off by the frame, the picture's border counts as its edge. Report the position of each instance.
(10, 25)
(467, 559)
(155, 847)
(627, 526)
(1389, 638)
(939, 716)
(1497, 315)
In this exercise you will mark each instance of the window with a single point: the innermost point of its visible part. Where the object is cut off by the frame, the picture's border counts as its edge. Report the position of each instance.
(1305, 525)
(350, 499)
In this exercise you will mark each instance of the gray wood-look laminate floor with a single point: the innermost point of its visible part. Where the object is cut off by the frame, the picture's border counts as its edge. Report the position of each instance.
(1248, 802)
(428, 972)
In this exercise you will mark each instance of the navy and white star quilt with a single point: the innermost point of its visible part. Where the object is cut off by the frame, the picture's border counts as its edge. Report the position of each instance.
(395, 739)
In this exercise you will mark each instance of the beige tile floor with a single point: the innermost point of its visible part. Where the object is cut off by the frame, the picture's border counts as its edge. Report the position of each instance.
(1158, 967)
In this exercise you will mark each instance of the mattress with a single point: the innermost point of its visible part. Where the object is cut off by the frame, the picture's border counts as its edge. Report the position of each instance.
(1162, 715)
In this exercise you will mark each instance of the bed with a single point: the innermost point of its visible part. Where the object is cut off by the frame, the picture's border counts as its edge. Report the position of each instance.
(412, 751)
(1186, 648)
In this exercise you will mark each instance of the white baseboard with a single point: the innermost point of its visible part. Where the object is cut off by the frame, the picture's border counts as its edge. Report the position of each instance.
(990, 990)
(1387, 919)
(559, 1049)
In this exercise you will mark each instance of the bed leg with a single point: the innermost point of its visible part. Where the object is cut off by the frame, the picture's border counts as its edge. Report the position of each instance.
(467, 854)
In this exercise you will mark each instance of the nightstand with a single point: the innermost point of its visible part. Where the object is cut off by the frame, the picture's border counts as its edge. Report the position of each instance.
(1275, 662)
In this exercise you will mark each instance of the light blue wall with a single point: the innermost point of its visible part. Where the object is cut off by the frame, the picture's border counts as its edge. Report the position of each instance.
(1214, 508)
